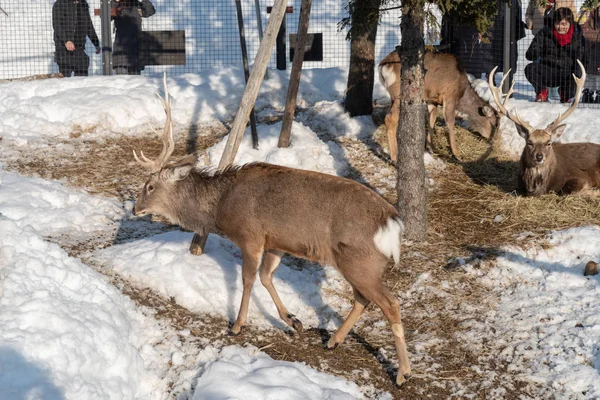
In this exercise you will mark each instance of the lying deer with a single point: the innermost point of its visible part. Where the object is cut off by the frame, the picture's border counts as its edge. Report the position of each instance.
(446, 84)
(547, 166)
(268, 210)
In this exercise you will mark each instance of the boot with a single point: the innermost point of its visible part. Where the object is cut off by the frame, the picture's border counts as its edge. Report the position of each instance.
(542, 96)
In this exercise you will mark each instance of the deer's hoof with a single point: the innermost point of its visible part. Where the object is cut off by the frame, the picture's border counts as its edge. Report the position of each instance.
(297, 325)
(402, 378)
(235, 330)
(332, 343)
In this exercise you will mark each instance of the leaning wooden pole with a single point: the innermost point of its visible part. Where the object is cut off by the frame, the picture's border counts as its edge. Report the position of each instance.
(248, 99)
(292, 94)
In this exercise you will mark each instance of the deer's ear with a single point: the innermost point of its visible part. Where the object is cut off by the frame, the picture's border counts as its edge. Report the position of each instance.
(523, 132)
(177, 172)
(487, 111)
(557, 132)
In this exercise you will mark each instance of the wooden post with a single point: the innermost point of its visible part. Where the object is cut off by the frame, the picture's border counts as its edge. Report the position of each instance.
(259, 26)
(292, 94)
(251, 91)
(248, 99)
(240, 18)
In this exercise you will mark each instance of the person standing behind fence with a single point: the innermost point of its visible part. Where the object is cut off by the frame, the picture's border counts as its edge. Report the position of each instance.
(128, 15)
(72, 23)
(539, 13)
(555, 50)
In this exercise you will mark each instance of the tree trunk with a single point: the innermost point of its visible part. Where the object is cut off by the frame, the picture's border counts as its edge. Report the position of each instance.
(361, 76)
(411, 134)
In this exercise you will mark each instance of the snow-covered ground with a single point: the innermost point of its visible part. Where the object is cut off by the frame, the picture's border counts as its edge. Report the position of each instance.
(65, 332)
(547, 325)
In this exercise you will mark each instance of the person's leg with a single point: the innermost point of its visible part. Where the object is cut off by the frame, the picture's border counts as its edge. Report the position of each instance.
(536, 74)
(81, 62)
(81, 72)
(65, 70)
(567, 85)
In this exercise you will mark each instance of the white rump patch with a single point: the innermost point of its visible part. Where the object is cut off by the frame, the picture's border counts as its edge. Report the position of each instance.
(388, 237)
(387, 76)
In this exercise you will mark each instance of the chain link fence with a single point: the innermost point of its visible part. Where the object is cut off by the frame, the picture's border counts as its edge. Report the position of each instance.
(526, 43)
(188, 36)
(178, 37)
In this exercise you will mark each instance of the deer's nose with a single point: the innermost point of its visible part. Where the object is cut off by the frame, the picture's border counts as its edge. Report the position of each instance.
(539, 157)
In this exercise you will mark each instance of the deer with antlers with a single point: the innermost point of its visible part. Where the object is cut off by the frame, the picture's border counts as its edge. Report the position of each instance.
(268, 210)
(547, 166)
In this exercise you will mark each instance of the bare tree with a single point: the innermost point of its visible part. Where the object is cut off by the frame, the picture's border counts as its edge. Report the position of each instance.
(364, 15)
(411, 133)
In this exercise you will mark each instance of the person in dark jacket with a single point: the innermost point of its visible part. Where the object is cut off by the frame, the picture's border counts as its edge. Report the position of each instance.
(480, 53)
(554, 50)
(72, 24)
(127, 15)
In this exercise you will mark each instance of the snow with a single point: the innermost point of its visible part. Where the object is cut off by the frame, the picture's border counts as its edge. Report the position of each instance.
(247, 373)
(548, 321)
(67, 332)
(306, 150)
(53, 209)
(213, 283)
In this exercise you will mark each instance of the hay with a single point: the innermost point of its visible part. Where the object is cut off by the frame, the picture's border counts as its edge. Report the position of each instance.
(476, 202)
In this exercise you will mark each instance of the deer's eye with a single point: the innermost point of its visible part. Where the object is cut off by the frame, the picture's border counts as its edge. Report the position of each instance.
(548, 144)
(150, 188)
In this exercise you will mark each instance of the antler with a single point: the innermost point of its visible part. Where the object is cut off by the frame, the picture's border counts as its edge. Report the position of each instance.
(514, 118)
(166, 135)
(563, 116)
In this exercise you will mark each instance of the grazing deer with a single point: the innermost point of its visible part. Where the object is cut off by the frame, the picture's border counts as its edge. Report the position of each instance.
(446, 84)
(268, 210)
(547, 166)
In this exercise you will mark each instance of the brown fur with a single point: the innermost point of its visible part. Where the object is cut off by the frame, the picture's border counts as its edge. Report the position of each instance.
(565, 168)
(268, 210)
(446, 85)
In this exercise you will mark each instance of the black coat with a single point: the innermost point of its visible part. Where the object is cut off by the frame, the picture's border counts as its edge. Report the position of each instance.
(128, 26)
(482, 56)
(72, 22)
(545, 46)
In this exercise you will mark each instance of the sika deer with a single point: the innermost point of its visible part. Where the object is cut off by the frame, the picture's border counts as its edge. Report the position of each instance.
(446, 85)
(547, 166)
(268, 210)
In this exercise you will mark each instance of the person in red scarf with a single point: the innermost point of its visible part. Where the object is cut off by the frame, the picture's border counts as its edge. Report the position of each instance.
(554, 50)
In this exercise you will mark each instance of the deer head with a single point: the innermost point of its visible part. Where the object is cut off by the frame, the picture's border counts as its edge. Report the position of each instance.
(160, 189)
(538, 147)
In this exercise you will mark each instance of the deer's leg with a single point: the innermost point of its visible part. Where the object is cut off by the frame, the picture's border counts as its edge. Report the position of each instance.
(432, 109)
(357, 309)
(391, 126)
(271, 260)
(450, 117)
(364, 274)
(373, 290)
(575, 185)
(250, 262)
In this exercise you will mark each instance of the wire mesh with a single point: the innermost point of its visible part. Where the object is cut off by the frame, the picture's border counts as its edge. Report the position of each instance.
(205, 31)
(188, 36)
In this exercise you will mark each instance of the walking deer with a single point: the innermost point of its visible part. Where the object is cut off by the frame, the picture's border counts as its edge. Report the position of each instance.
(268, 210)
(446, 85)
(547, 166)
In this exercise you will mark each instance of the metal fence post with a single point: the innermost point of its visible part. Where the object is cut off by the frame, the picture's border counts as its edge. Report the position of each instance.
(506, 59)
(106, 37)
